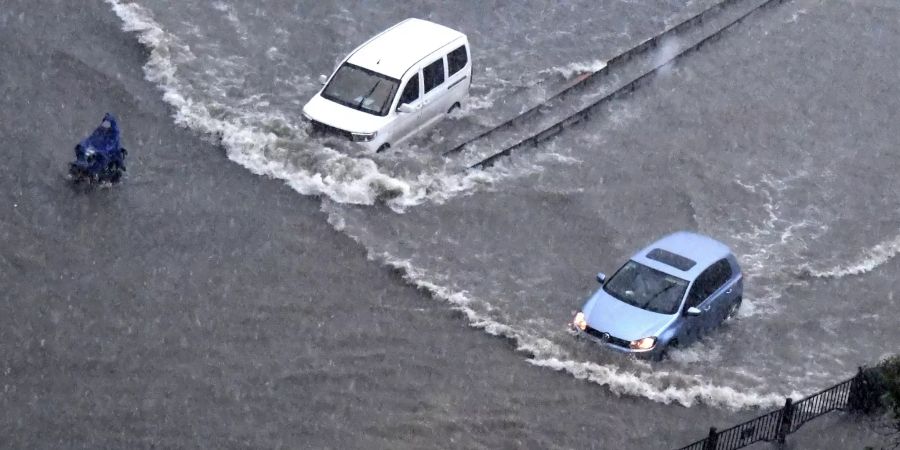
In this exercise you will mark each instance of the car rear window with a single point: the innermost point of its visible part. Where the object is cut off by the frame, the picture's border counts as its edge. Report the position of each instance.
(677, 261)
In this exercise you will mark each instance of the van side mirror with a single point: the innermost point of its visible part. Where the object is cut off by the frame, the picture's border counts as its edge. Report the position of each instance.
(601, 277)
(323, 79)
(693, 311)
(406, 108)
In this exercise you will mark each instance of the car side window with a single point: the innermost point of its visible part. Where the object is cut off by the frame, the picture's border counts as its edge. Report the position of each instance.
(708, 282)
(698, 291)
(457, 59)
(721, 273)
(411, 91)
(433, 75)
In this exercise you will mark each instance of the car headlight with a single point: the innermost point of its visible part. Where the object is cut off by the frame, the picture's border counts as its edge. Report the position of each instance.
(646, 343)
(363, 137)
(579, 321)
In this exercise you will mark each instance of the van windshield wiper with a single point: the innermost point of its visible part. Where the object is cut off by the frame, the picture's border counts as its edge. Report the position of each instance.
(363, 99)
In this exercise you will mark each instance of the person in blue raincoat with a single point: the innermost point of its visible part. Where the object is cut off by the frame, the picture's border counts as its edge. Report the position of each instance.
(100, 156)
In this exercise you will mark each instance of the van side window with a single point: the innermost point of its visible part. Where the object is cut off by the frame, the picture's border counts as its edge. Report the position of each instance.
(433, 74)
(457, 59)
(411, 91)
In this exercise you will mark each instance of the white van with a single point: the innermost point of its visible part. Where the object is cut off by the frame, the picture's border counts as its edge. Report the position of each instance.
(394, 85)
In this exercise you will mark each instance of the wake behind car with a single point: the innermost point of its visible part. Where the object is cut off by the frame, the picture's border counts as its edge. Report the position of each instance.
(394, 85)
(668, 294)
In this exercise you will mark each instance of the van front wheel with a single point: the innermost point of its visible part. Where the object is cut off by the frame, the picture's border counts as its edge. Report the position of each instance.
(383, 148)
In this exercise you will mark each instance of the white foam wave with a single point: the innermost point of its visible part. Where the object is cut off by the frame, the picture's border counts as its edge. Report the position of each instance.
(577, 68)
(769, 242)
(796, 16)
(642, 384)
(871, 259)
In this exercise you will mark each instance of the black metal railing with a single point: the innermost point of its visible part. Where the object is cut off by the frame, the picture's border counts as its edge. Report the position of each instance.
(858, 394)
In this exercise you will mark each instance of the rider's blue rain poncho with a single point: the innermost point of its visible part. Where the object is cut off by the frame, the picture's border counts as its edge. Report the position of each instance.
(104, 140)
(100, 157)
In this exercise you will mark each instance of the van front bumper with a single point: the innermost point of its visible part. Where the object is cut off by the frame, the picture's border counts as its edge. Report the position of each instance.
(360, 139)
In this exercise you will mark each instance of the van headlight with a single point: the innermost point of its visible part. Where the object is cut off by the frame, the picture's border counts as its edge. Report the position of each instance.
(363, 137)
(646, 343)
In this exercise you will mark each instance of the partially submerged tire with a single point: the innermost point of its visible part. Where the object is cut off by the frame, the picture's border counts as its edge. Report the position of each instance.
(383, 148)
(73, 173)
(735, 308)
(664, 353)
(112, 173)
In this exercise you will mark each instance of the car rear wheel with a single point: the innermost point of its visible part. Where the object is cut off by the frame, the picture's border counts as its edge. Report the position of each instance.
(733, 311)
(453, 108)
(383, 148)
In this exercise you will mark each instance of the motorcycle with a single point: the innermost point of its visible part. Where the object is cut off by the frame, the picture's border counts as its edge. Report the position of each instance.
(99, 158)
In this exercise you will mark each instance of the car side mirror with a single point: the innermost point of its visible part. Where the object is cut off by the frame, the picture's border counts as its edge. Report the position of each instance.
(693, 311)
(601, 277)
(323, 79)
(406, 108)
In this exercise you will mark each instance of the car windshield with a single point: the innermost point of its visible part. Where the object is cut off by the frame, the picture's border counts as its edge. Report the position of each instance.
(646, 288)
(361, 89)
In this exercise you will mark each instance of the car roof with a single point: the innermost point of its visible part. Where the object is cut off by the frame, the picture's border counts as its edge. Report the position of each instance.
(701, 249)
(398, 48)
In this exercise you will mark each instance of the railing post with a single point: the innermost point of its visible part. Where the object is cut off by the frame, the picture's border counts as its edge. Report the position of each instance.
(712, 441)
(784, 427)
(863, 396)
(854, 397)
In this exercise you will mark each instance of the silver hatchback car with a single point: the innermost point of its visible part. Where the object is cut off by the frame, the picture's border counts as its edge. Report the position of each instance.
(667, 294)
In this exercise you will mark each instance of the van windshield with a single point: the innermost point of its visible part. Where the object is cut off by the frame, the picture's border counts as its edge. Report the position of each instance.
(361, 89)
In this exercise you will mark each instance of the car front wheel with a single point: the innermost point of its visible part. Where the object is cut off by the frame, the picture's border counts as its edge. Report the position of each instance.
(663, 353)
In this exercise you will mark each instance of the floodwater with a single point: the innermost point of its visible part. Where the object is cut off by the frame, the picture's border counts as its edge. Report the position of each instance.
(778, 139)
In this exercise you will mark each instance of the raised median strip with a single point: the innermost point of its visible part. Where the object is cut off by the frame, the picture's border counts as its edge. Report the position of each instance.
(547, 132)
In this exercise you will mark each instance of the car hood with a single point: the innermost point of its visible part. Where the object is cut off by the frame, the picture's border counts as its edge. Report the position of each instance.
(337, 115)
(607, 313)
